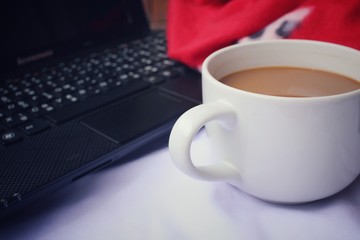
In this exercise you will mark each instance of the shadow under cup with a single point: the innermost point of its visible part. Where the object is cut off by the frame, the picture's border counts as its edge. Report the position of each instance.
(279, 149)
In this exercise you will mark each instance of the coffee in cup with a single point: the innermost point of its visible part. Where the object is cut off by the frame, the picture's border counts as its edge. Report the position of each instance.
(290, 82)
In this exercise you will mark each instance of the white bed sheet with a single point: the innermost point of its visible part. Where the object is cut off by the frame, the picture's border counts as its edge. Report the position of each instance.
(151, 199)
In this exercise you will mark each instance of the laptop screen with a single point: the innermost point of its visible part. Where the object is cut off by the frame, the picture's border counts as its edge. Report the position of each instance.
(32, 30)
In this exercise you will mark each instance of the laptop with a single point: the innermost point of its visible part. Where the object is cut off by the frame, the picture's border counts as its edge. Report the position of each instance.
(83, 84)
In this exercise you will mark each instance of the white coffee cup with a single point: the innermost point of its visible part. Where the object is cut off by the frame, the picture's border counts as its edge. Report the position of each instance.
(279, 149)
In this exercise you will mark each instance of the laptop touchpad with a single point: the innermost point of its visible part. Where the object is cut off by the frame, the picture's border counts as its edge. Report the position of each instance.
(132, 118)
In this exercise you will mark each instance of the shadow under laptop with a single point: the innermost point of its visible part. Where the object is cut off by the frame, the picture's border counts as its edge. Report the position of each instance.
(120, 174)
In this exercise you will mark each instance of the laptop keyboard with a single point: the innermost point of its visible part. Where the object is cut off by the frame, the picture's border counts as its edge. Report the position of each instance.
(36, 101)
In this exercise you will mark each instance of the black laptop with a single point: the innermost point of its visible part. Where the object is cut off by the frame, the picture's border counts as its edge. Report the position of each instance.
(83, 84)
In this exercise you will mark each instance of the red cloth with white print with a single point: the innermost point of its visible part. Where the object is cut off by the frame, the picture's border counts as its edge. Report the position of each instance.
(196, 28)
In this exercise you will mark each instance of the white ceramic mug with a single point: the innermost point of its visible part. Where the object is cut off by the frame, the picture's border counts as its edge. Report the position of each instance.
(279, 149)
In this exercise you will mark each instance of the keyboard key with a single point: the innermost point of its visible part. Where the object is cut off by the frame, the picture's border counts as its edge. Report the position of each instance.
(23, 104)
(169, 74)
(154, 79)
(5, 100)
(9, 137)
(36, 111)
(42, 109)
(11, 108)
(15, 119)
(61, 102)
(34, 127)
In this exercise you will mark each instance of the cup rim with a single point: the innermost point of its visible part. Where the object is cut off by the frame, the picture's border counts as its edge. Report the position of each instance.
(218, 52)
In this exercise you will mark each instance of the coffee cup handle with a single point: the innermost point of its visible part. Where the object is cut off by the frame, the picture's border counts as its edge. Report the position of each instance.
(186, 128)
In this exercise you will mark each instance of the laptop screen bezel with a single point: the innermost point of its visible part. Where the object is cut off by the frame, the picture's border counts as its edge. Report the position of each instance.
(18, 60)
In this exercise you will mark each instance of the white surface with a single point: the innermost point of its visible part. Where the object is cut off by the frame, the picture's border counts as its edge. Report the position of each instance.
(151, 199)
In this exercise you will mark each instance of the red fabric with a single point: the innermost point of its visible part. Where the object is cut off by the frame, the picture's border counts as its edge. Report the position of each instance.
(196, 28)
(332, 21)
